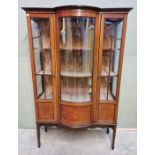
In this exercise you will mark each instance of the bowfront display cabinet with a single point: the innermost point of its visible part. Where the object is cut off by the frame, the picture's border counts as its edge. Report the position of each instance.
(76, 57)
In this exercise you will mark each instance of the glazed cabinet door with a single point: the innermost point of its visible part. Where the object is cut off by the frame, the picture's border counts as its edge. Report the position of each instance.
(109, 66)
(43, 65)
(76, 54)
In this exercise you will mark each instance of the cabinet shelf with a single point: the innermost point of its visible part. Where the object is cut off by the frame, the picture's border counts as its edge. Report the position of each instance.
(41, 49)
(75, 74)
(104, 73)
(79, 98)
(44, 73)
(75, 49)
(36, 37)
(110, 50)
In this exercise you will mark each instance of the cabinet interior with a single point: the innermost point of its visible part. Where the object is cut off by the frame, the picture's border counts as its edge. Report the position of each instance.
(76, 37)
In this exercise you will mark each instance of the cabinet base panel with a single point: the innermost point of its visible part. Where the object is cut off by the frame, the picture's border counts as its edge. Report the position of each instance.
(112, 126)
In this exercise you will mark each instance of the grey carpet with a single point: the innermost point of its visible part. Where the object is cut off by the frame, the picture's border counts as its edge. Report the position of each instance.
(83, 142)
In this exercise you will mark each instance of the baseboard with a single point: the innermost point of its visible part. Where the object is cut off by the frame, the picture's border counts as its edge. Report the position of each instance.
(128, 129)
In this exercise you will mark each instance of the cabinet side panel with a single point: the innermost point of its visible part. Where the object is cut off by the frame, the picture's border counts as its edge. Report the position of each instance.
(32, 63)
(121, 64)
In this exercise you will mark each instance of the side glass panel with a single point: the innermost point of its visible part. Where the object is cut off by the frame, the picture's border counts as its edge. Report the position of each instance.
(76, 58)
(110, 58)
(42, 56)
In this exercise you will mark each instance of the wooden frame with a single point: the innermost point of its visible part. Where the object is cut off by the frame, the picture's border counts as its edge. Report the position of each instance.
(77, 115)
(79, 13)
(51, 21)
(116, 15)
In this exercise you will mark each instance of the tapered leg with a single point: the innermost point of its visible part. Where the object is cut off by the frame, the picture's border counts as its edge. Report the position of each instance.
(45, 128)
(38, 135)
(113, 137)
(107, 130)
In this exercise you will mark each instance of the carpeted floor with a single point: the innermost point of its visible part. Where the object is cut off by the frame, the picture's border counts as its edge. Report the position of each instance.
(84, 142)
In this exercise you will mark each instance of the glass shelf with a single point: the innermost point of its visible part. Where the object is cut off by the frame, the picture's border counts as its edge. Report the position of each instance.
(106, 73)
(75, 74)
(74, 49)
(41, 72)
(36, 37)
(74, 98)
(41, 49)
(111, 50)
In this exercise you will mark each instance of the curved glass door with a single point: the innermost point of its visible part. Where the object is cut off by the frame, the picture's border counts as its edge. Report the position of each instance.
(110, 58)
(76, 35)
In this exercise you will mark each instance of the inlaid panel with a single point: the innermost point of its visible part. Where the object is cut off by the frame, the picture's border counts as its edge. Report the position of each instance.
(106, 112)
(76, 114)
(45, 111)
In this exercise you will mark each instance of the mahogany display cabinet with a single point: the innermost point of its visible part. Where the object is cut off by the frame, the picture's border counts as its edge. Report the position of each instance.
(76, 57)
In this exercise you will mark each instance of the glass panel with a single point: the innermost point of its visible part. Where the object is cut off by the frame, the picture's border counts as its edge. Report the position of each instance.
(44, 87)
(103, 88)
(76, 58)
(110, 62)
(110, 58)
(75, 89)
(42, 56)
(108, 88)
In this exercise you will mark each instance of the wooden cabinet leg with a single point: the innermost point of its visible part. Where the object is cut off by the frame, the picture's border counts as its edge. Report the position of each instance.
(45, 128)
(107, 130)
(113, 138)
(38, 135)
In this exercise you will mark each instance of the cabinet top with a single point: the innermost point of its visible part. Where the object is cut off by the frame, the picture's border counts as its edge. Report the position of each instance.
(82, 7)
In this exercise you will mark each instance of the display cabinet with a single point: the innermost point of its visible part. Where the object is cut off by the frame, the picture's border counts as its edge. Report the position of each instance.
(76, 57)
